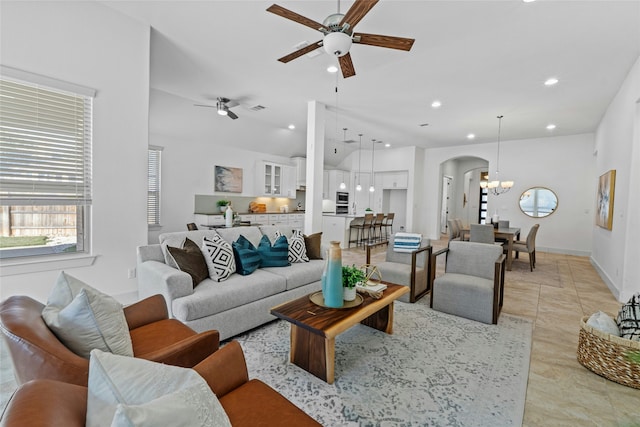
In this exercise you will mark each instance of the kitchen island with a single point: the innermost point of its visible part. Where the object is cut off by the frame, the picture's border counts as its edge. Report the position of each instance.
(336, 227)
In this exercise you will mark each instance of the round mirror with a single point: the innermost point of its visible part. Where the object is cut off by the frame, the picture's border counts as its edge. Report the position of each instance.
(538, 202)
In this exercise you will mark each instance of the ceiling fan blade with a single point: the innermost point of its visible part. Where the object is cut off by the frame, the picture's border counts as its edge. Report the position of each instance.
(391, 42)
(232, 115)
(298, 53)
(357, 11)
(203, 105)
(286, 13)
(346, 65)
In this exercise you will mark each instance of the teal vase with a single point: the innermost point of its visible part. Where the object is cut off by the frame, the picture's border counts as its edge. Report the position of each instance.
(332, 285)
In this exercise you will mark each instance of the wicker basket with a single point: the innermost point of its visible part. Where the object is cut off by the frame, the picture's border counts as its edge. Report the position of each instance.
(605, 354)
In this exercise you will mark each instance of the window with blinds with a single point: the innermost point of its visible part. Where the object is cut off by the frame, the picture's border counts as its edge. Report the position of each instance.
(45, 168)
(153, 196)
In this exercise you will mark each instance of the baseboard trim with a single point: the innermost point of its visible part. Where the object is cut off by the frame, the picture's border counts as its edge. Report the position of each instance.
(606, 279)
(563, 251)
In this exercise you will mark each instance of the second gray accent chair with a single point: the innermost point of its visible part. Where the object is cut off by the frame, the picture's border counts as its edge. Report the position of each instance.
(528, 246)
(473, 283)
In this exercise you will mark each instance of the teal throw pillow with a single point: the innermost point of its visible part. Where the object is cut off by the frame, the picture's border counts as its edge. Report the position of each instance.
(276, 255)
(246, 255)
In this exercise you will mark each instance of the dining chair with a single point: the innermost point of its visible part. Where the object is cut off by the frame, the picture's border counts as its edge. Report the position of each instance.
(528, 246)
(460, 227)
(454, 231)
(481, 233)
(388, 225)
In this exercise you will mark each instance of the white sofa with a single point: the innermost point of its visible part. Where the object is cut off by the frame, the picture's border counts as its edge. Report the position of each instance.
(235, 305)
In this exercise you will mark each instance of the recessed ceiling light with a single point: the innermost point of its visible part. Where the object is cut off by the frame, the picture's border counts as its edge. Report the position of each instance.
(528, 1)
(471, 136)
(292, 127)
(551, 81)
(387, 145)
(332, 69)
(436, 104)
(551, 126)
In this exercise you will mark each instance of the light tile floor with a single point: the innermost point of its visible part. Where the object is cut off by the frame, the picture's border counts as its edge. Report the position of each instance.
(555, 296)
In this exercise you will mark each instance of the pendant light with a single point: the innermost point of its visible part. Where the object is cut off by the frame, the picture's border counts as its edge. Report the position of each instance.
(373, 149)
(343, 186)
(359, 186)
(497, 187)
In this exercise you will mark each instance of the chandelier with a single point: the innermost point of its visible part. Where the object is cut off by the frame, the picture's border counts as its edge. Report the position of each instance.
(497, 187)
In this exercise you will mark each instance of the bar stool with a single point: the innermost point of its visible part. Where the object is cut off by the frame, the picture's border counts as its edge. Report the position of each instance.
(377, 225)
(361, 228)
(388, 225)
(355, 224)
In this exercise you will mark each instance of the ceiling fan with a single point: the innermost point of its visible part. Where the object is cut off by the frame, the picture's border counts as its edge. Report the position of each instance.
(222, 106)
(338, 34)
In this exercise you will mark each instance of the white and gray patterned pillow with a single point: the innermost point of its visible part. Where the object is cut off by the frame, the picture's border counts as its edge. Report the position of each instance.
(629, 319)
(218, 255)
(297, 248)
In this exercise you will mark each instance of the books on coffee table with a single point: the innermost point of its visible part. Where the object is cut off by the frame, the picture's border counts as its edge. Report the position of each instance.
(372, 286)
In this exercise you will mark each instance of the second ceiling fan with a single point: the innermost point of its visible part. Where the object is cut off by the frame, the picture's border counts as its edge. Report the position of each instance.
(338, 34)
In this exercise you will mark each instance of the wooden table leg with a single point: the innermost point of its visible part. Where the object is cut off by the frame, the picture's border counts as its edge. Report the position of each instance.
(509, 251)
(314, 353)
(381, 320)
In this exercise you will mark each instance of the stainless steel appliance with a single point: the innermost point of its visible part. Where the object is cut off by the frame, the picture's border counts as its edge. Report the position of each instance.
(342, 202)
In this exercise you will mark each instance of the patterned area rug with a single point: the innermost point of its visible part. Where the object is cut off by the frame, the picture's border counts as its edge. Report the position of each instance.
(435, 370)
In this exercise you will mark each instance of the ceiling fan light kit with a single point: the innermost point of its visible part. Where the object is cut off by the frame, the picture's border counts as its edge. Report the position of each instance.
(337, 44)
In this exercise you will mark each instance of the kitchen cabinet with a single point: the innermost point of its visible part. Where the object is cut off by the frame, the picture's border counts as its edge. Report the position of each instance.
(301, 172)
(275, 180)
(325, 184)
(335, 177)
(395, 180)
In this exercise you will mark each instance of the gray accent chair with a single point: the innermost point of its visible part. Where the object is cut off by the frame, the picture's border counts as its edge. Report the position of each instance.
(454, 230)
(406, 268)
(473, 283)
(528, 246)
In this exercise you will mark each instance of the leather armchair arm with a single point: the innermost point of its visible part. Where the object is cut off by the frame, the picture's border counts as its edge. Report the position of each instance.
(147, 311)
(225, 370)
(187, 352)
(43, 403)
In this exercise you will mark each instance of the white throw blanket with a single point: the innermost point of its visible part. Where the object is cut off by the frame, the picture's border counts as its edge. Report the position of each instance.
(406, 242)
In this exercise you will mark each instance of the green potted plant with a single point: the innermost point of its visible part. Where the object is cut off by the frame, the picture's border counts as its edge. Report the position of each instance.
(351, 276)
(222, 204)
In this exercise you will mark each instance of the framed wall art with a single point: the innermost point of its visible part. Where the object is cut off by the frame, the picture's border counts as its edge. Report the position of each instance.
(606, 190)
(228, 179)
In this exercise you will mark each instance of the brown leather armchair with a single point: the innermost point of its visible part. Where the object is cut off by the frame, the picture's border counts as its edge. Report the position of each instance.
(246, 402)
(38, 354)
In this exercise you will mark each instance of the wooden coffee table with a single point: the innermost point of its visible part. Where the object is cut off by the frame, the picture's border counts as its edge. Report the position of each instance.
(314, 328)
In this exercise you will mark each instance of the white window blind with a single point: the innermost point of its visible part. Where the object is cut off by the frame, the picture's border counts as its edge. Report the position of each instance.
(153, 197)
(45, 145)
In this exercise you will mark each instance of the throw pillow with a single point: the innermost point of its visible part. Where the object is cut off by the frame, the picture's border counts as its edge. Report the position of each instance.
(126, 391)
(603, 322)
(312, 244)
(84, 318)
(190, 260)
(218, 255)
(297, 249)
(629, 319)
(276, 255)
(247, 257)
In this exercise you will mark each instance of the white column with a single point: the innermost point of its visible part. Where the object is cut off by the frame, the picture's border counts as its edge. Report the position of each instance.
(315, 166)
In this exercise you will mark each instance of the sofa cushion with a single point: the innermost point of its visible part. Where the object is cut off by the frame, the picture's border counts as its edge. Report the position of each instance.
(190, 259)
(212, 297)
(246, 255)
(84, 318)
(300, 273)
(125, 389)
(218, 254)
(276, 255)
(312, 244)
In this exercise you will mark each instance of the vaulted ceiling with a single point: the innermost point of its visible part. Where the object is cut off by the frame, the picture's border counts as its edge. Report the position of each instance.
(478, 58)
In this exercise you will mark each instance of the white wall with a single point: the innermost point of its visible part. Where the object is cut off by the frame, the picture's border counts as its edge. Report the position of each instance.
(563, 164)
(91, 45)
(187, 172)
(616, 252)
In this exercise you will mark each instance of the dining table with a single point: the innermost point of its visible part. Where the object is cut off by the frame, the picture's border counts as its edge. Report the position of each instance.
(509, 234)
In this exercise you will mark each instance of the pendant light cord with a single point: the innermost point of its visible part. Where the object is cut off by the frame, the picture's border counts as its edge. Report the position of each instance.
(498, 157)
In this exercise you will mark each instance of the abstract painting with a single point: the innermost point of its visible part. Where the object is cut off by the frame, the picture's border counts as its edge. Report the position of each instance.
(228, 180)
(606, 190)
